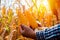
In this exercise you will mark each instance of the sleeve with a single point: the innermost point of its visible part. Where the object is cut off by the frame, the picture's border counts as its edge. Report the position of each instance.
(48, 33)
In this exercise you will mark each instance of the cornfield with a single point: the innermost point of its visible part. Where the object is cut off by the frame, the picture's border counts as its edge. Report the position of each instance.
(10, 23)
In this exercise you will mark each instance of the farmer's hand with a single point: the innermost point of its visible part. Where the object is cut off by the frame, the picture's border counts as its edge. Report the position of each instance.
(27, 32)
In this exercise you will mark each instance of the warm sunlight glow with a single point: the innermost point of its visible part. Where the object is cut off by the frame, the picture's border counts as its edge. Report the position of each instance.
(43, 5)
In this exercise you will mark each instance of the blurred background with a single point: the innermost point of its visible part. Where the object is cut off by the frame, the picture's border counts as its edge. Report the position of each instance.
(13, 13)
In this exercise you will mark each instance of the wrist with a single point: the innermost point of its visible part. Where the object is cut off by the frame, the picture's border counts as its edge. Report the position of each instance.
(33, 35)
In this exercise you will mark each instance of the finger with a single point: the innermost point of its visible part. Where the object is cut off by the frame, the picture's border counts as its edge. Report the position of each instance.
(24, 27)
(39, 24)
(21, 30)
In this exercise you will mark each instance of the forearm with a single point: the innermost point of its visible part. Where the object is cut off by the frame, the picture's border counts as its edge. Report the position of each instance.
(48, 33)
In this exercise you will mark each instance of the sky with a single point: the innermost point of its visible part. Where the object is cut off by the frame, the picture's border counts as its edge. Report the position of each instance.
(8, 3)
